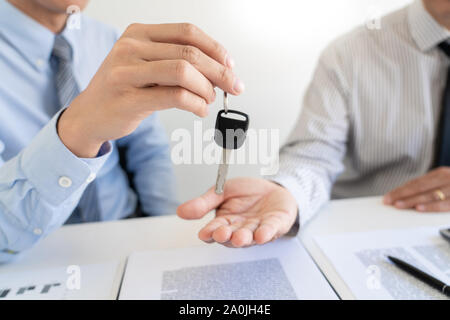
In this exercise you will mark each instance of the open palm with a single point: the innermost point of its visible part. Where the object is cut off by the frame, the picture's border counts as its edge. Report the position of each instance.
(250, 211)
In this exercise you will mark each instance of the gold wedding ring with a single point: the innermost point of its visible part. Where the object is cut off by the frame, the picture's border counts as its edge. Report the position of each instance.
(441, 196)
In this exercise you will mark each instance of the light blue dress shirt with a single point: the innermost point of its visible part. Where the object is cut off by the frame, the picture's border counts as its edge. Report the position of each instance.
(41, 181)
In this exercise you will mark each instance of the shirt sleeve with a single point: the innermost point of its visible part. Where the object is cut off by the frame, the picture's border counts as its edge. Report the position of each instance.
(147, 155)
(39, 189)
(311, 159)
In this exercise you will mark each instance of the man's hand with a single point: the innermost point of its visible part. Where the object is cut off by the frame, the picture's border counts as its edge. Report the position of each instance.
(250, 211)
(151, 67)
(428, 193)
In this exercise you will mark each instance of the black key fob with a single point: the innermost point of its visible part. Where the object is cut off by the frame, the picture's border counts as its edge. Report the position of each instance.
(231, 129)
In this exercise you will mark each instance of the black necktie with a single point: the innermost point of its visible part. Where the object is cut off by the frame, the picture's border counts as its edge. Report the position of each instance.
(443, 138)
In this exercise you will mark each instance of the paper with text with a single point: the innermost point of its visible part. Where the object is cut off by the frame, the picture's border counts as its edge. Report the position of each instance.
(360, 259)
(91, 282)
(278, 270)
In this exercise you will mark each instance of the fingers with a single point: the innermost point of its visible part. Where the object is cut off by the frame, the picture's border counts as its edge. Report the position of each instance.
(198, 207)
(220, 229)
(421, 193)
(436, 206)
(224, 233)
(238, 231)
(180, 33)
(183, 41)
(269, 229)
(427, 182)
(234, 230)
(218, 74)
(206, 233)
(255, 231)
(244, 234)
(426, 197)
(234, 188)
(160, 98)
(169, 73)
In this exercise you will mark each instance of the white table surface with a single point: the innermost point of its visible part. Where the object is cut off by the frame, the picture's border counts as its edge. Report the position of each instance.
(92, 243)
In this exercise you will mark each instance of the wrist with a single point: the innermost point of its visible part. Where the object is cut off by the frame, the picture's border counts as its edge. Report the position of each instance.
(75, 136)
(293, 200)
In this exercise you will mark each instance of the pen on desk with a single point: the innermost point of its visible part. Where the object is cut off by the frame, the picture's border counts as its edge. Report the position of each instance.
(423, 276)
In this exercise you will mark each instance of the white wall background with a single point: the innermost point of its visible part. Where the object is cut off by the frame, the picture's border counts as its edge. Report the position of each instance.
(275, 44)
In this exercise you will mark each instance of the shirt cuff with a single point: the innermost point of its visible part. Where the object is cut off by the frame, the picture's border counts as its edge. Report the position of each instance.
(54, 170)
(291, 185)
(6, 256)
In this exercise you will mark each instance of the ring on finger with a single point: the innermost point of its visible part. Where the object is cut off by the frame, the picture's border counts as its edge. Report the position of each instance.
(440, 195)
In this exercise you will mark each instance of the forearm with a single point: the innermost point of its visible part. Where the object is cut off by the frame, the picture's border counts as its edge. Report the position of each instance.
(311, 160)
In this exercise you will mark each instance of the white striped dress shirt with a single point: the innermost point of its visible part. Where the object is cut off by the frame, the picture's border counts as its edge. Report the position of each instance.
(370, 115)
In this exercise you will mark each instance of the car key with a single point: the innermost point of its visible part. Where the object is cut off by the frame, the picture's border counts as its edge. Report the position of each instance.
(231, 129)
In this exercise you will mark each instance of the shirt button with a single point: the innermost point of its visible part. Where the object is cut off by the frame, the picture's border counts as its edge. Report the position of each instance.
(91, 177)
(39, 62)
(65, 182)
(37, 231)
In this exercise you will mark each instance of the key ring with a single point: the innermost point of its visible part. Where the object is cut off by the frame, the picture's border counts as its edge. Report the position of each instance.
(225, 101)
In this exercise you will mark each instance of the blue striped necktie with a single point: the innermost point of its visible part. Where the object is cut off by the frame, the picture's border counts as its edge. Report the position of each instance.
(66, 85)
(443, 139)
(67, 89)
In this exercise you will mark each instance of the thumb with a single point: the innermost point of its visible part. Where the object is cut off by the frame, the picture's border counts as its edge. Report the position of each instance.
(198, 207)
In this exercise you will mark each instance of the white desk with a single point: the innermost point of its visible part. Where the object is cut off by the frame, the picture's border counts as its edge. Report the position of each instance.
(112, 241)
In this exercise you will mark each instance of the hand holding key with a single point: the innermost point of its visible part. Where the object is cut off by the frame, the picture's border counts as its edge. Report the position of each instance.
(150, 68)
(249, 211)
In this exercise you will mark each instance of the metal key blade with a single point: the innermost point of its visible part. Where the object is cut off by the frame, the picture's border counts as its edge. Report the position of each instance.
(225, 101)
(223, 170)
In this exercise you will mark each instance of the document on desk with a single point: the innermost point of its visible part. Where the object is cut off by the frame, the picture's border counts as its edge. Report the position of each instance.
(74, 282)
(278, 270)
(360, 259)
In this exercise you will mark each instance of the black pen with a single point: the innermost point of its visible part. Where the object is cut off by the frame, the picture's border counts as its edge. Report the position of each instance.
(423, 276)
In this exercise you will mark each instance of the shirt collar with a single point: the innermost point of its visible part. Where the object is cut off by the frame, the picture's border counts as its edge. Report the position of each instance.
(33, 40)
(425, 30)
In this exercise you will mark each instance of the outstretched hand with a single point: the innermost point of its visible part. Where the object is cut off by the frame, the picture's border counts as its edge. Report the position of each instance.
(250, 211)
